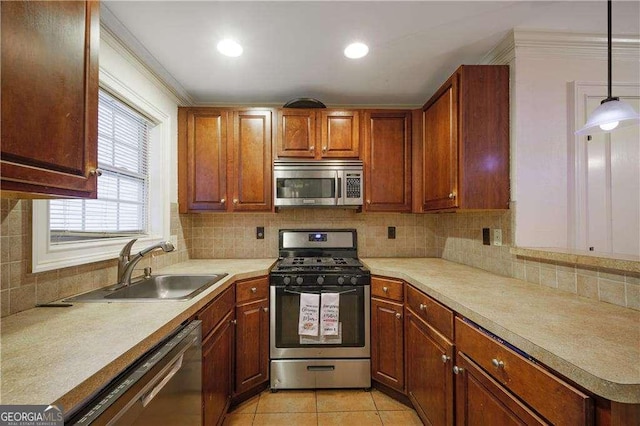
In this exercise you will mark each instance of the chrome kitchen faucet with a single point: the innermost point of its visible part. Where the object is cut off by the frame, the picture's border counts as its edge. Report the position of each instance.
(126, 263)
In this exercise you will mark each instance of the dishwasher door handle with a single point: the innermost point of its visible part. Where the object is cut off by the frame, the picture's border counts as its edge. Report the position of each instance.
(146, 399)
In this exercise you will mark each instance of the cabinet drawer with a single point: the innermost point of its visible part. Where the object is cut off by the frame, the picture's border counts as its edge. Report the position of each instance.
(438, 316)
(387, 289)
(253, 289)
(557, 401)
(215, 311)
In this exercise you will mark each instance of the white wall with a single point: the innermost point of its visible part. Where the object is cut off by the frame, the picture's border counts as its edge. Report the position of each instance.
(541, 155)
(117, 61)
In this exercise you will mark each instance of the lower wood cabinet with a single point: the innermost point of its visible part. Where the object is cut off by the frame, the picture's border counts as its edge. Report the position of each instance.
(429, 371)
(481, 400)
(217, 362)
(387, 343)
(252, 335)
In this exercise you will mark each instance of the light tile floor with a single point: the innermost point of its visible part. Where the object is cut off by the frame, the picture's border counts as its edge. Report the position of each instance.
(322, 408)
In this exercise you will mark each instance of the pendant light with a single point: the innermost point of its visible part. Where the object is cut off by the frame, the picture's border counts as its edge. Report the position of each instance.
(612, 112)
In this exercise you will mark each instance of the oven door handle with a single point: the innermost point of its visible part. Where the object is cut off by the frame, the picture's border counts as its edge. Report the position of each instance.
(320, 292)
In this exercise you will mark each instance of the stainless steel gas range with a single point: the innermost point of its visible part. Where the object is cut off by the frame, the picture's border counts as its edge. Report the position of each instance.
(320, 312)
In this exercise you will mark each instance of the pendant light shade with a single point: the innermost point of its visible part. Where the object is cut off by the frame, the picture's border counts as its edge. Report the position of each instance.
(612, 112)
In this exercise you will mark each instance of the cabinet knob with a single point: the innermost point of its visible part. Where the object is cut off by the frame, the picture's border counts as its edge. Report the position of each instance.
(235, 201)
(222, 201)
(423, 307)
(452, 196)
(265, 309)
(234, 322)
(324, 149)
(457, 370)
(312, 148)
(398, 315)
(385, 289)
(497, 363)
(254, 289)
(445, 358)
(95, 172)
(368, 201)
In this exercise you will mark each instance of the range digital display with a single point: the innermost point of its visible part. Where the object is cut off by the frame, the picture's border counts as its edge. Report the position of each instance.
(318, 237)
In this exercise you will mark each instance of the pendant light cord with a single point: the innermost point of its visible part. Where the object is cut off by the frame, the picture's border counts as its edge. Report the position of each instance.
(609, 48)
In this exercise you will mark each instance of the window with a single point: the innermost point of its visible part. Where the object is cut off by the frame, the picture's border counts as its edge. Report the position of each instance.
(134, 191)
(121, 207)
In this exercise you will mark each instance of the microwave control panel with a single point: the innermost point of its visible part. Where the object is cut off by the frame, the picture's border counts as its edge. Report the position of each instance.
(354, 186)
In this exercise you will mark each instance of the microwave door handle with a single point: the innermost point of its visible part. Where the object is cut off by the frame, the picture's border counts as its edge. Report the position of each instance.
(337, 191)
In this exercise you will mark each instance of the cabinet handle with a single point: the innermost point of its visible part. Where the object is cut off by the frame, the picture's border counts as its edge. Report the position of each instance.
(452, 196)
(423, 307)
(235, 201)
(385, 289)
(398, 315)
(457, 370)
(497, 363)
(222, 201)
(254, 289)
(265, 309)
(445, 358)
(312, 148)
(234, 322)
(95, 172)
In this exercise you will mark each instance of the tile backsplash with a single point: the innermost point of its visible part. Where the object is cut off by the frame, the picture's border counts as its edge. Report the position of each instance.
(453, 236)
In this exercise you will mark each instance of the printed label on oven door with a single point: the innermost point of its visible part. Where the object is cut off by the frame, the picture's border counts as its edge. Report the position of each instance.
(323, 340)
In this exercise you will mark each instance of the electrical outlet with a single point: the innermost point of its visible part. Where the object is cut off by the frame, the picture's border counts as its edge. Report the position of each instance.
(486, 239)
(497, 237)
(391, 232)
(260, 233)
(173, 239)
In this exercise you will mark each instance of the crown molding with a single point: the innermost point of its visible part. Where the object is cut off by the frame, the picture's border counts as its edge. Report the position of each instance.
(113, 32)
(545, 43)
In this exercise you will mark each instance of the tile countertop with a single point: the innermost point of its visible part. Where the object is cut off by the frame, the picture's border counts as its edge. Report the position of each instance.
(595, 344)
(64, 355)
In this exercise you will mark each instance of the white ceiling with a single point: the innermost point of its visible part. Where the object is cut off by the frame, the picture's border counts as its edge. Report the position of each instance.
(294, 49)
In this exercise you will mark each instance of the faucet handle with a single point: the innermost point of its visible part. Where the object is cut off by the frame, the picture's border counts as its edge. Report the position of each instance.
(126, 250)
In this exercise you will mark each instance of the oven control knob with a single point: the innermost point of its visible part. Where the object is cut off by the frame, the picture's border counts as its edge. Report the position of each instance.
(340, 280)
(354, 280)
(299, 280)
(320, 280)
(286, 280)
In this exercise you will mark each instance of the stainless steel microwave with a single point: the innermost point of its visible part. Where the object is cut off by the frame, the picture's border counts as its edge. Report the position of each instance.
(318, 183)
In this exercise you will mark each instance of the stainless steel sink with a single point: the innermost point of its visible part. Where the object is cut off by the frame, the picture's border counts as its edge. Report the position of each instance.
(155, 288)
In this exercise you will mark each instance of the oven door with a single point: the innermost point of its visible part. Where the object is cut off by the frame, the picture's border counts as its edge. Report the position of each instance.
(306, 188)
(353, 339)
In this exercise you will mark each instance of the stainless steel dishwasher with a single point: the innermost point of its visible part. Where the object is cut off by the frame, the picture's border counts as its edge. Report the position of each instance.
(164, 387)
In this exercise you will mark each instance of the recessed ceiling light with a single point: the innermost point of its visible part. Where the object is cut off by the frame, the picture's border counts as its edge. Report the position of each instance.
(356, 50)
(229, 47)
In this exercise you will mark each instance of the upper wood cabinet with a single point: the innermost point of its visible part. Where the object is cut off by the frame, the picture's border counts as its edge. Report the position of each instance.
(465, 152)
(224, 159)
(387, 160)
(49, 98)
(312, 133)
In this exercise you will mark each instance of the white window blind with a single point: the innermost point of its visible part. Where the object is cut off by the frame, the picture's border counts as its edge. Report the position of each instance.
(121, 207)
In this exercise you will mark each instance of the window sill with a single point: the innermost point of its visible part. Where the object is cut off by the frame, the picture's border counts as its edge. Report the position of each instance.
(620, 262)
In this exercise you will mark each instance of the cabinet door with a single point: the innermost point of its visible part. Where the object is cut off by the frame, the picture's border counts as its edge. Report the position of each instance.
(296, 133)
(251, 161)
(387, 161)
(206, 160)
(339, 134)
(440, 150)
(50, 97)
(217, 356)
(429, 367)
(252, 345)
(387, 340)
(480, 400)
